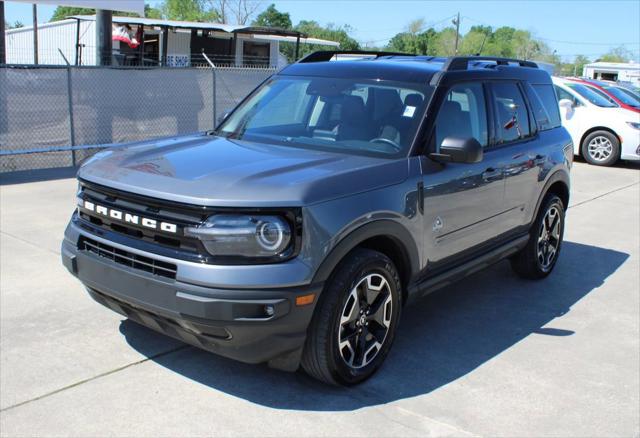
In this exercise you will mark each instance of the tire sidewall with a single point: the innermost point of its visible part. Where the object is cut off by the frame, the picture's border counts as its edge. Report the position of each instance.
(553, 201)
(378, 265)
(615, 153)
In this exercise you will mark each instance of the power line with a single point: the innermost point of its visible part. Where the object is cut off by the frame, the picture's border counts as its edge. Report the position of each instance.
(423, 28)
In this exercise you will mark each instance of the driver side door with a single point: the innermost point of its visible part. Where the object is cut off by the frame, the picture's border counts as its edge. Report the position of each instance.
(462, 201)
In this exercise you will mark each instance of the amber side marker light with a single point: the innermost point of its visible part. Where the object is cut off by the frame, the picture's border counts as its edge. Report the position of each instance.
(303, 300)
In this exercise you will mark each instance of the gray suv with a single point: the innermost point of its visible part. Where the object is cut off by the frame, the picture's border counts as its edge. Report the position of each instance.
(332, 196)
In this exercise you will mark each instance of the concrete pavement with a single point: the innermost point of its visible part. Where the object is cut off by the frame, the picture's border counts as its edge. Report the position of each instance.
(491, 355)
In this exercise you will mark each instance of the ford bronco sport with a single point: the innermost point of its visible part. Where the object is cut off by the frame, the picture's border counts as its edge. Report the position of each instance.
(333, 195)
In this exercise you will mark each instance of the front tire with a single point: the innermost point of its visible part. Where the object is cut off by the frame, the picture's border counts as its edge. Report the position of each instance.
(355, 321)
(539, 257)
(601, 148)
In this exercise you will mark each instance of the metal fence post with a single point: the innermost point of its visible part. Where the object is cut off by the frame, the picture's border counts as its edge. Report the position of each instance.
(213, 76)
(72, 131)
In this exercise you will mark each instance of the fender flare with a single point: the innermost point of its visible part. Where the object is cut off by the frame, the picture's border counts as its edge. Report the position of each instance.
(379, 228)
(558, 176)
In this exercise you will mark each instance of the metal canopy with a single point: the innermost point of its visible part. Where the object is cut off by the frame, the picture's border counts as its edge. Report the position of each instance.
(230, 28)
(271, 33)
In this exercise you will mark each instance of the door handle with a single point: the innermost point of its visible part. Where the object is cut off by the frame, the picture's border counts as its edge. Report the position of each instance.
(539, 159)
(492, 174)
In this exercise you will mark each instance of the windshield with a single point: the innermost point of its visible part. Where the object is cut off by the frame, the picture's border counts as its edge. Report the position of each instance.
(622, 96)
(591, 95)
(367, 117)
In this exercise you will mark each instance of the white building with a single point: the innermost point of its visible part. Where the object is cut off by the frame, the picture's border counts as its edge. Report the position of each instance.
(613, 71)
(161, 42)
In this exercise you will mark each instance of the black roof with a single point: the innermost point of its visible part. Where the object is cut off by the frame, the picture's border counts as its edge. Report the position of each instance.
(420, 69)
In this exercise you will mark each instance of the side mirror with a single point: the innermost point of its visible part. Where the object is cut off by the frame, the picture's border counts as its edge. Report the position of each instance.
(459, 150)
(566, 104)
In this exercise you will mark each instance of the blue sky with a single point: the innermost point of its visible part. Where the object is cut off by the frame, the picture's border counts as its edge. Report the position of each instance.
(570, 27)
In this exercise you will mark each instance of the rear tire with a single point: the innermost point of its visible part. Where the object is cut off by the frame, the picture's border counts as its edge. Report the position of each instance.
(601, 148)
(355, 321)
(539, 257)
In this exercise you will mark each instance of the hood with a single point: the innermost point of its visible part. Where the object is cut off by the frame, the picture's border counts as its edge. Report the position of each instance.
(215, 171)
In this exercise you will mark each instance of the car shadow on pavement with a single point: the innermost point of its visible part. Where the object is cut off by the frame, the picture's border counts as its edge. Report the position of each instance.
(441, 337)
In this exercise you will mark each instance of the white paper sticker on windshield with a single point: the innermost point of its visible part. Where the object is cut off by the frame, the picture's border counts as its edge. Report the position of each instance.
(409, 111)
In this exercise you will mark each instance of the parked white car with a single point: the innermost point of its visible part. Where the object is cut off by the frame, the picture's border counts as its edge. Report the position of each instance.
(602, 132)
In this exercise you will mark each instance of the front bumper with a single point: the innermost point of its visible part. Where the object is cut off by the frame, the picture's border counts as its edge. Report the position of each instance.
(252, 325)
(630, 148)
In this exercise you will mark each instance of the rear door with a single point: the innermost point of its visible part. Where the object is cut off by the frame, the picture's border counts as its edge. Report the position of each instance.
(520, 146)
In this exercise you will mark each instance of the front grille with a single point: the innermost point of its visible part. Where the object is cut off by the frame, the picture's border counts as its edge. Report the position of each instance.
(129, 259)
(140, 207)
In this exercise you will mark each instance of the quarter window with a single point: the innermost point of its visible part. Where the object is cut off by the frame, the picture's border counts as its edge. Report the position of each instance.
(545, 106)
(463, 114)
(511, 112)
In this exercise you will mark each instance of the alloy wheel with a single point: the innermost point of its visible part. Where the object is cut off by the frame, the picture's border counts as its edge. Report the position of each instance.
(600, 148)
(549, 238)
(365, 321)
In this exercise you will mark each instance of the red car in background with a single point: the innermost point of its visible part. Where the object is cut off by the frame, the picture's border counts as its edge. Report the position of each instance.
(612, 92)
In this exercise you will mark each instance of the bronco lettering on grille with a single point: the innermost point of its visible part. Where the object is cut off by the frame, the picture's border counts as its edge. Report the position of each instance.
(130, 218)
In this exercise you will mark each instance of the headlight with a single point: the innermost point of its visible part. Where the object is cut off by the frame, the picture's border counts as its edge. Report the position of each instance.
(634, 125)
(244, 235)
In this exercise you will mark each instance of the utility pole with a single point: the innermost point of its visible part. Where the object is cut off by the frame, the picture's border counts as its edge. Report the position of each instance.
(456, 21)
(103, 37)
(35, 34)
(3, 59)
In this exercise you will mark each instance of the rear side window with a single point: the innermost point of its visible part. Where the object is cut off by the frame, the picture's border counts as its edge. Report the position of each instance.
(511, 112)
(545, 107)
(463, 114)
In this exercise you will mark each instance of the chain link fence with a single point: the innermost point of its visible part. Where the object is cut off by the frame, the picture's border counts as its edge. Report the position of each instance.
(59, 116)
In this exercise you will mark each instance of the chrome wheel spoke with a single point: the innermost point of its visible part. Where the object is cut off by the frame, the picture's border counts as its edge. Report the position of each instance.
(600, 148)
(381, 310)
(365, 321)
(549, 237)
(351, 309)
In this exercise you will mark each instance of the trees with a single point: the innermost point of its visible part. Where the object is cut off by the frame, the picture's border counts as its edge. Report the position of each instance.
(238, 11)
(271, 17)
(171, 9)
(62, 12)
(188, 10)
(313, 29)
(578, 64)
(151, 12)
(415, 40)
(16, 25)
(619, 54)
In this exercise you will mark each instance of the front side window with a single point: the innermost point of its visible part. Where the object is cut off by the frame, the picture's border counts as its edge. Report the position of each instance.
(511, 112)
(564, 94)
(463, 114)
(368, 117)
(591, 95)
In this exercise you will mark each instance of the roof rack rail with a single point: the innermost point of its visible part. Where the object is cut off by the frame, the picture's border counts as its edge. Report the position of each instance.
(326, 55)
(462, 62)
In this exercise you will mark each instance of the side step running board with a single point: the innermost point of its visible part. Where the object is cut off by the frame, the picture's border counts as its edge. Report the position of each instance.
(432, 284)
